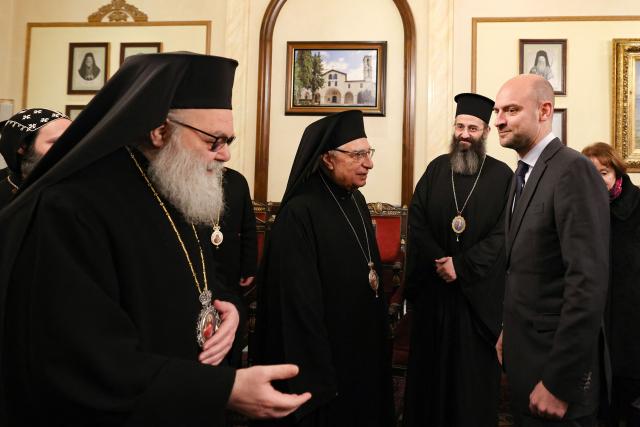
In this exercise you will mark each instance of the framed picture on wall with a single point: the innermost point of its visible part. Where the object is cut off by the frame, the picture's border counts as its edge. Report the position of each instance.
(559, 124)
(546, 58)
(626, 105)
(328, 77)
(88, 67)
(73, 110)
(129, 49)
(6, 109)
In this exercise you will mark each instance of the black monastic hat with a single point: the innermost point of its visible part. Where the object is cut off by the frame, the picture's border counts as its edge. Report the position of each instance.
(319, 137)
(18, 128)
(474, 105)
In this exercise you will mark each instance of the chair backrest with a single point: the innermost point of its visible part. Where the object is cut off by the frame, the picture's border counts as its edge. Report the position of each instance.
(390, 223)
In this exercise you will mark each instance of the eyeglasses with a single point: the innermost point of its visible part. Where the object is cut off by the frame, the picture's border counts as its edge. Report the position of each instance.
(218, 141)
(358, 155)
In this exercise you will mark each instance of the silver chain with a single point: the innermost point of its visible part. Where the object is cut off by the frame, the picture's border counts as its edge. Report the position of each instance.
(366, 235)
(453, 185)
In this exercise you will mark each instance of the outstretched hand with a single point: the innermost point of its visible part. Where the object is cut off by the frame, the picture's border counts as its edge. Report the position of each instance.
(254, 396)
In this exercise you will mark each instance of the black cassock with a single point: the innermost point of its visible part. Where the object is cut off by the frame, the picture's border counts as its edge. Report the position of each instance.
(7, 190)
(237, 256)
(453, 375)
(316, 310)
(102, 310)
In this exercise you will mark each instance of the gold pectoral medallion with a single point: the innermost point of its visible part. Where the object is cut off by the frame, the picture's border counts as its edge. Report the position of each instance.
(217, 237)
(208, 319)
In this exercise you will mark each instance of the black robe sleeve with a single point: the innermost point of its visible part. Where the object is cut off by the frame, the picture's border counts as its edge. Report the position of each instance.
(477, 262)
(249, 244)
(298, 332)
(70, 282)
(422, 247)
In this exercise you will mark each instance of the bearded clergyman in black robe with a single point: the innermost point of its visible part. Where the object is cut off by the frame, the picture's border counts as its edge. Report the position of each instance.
(320, 303)
(110, 311)
(455, 278)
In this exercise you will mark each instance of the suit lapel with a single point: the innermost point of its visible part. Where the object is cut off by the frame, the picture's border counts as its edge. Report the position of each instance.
(527, 193)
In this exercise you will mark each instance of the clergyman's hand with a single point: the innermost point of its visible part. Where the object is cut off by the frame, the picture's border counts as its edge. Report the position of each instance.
(445, 269)
(254, 396)
(246, 281)
(218, 345)
(544, 404)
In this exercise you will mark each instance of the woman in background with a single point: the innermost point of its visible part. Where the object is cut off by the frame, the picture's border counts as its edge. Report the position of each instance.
(622, 316)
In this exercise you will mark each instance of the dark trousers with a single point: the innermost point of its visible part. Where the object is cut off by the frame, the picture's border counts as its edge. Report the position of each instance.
(530, 421)
(625, 405)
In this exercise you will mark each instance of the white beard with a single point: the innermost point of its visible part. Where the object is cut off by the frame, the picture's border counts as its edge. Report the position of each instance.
(192, 186)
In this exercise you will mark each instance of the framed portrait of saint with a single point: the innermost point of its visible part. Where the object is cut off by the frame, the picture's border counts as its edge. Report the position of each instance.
(546, 58)
(130, 49)
(88, 67)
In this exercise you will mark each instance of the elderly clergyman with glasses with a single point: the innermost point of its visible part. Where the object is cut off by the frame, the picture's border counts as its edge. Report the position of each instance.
(320, 301)
(455, 278)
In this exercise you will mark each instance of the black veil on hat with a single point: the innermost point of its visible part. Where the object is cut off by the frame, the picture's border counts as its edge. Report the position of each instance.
(133, 102)
(319, 137)
(474, 105)
(18, 128)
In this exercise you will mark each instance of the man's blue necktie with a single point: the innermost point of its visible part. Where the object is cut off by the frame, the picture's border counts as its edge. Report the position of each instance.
(521, 171)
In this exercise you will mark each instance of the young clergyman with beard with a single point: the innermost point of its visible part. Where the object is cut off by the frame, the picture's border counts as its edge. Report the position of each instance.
(455, 278)
(109, 301)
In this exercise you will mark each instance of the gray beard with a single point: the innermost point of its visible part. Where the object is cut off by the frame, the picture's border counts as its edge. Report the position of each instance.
(467, 162)
(181, 177)
(29, 161)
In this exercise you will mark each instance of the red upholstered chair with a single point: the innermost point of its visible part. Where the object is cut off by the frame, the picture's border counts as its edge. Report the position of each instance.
(390, 223)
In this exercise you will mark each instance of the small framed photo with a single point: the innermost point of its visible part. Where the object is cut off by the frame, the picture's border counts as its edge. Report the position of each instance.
(129, 49)
(559, 124)
(88, 67)
(72, 111)
(6, 109)
(329, 77)
(546, 58)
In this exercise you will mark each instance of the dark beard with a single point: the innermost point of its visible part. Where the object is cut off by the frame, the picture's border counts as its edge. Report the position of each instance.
(467, 162)
(29, 161)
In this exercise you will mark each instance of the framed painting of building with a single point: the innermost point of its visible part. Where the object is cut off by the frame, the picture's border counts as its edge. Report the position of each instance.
(329, 77)
(626, 101)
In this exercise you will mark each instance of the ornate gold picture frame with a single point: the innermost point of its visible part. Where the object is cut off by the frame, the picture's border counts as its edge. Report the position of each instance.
(626, 101)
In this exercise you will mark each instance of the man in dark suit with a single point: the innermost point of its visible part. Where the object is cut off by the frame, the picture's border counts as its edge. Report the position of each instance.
(557, 249)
